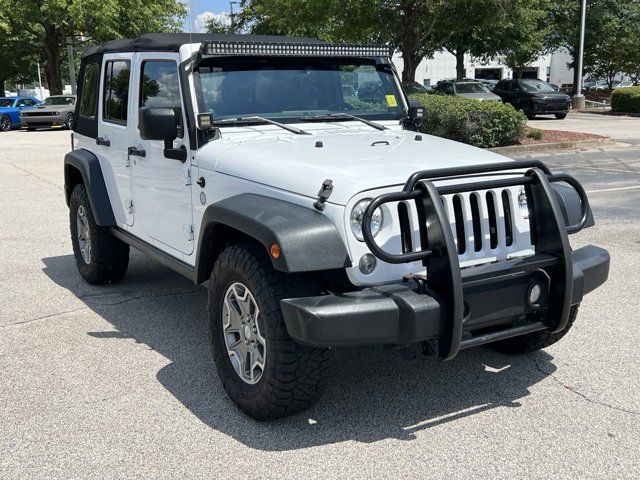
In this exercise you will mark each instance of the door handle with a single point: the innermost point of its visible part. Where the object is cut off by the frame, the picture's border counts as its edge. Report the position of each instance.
(138, 152)
(103, 141)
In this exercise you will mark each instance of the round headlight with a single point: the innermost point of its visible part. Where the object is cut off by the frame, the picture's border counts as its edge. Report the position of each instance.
(356, 219)
(523, 204)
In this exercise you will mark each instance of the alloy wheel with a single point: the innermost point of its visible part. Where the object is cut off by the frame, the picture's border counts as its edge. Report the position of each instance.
(84, 235)
(246, 346)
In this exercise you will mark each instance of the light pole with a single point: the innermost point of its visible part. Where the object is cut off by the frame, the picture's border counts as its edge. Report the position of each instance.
(578, 99)
(232, 16)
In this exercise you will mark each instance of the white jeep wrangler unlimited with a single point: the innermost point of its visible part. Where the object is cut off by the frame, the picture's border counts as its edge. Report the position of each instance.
(288, 174)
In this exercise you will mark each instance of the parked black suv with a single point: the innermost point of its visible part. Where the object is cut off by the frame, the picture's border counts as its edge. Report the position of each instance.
(533, 97)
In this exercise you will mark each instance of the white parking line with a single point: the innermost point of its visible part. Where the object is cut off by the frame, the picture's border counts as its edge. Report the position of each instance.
(613, 189)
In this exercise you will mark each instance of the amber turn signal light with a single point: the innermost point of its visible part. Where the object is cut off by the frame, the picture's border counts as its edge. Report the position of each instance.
(274, 250)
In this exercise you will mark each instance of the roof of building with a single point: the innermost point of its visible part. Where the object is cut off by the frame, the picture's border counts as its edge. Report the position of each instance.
(171, 42)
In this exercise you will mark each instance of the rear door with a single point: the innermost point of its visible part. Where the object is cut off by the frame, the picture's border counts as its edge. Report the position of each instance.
(113, 135)
(161, 186)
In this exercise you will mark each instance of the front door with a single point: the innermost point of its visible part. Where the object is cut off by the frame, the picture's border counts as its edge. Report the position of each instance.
(161, 186)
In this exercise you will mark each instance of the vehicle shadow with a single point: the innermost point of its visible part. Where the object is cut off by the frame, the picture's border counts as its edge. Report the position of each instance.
(372, 393)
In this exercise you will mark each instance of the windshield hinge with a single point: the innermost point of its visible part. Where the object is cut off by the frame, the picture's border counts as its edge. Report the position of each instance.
(323, 195)
(187, 176)
(130, 208)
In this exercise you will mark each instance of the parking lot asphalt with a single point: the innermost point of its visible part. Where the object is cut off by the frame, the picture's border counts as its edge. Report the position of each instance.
(118, 382)
(620, 128)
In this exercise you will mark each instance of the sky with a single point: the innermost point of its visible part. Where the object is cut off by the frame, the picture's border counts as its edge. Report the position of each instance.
(208, 8)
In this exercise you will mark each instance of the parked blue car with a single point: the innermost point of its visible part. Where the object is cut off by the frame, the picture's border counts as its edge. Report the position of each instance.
(10, 109)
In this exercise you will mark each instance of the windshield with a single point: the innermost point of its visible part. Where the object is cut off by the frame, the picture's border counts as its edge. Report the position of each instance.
(290, 88)
(471, 87)
(413, 88)
(59, 101)
(6, 102)
(535, 86)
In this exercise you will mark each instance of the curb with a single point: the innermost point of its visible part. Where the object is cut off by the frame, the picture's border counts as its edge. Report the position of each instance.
(543, 147)
(610, 112)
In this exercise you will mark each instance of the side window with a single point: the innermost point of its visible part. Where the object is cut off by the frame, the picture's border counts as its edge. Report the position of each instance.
(116, 91)
(90, 83)
(159, 87)
(448, 89)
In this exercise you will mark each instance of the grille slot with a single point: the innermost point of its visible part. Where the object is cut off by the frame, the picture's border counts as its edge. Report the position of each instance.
(508, 220)
(493, 221)
(476, 222)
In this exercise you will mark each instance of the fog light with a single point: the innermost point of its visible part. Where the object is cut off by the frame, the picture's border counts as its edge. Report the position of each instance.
(535, 295)
(367, 263)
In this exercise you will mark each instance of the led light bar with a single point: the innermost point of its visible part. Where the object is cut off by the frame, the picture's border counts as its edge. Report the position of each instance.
(214, 48)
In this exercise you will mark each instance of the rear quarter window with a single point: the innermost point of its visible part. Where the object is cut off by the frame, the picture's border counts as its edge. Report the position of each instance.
(89, 100)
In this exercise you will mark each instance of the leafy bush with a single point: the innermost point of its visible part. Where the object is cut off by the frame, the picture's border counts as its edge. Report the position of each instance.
(482, 124)
(535, 133)
(626, 99)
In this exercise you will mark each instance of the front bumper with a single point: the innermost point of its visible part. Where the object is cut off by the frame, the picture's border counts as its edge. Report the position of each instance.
(548, 109)
(42, 121)
(458, 307)
(398, 314)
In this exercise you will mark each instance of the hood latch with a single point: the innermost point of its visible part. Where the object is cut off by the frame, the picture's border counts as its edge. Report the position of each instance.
(323, 195)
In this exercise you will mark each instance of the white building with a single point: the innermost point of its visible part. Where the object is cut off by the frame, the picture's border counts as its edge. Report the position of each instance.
(551, 68)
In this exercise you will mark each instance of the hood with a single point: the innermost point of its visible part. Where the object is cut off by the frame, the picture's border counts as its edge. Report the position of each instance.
(51, 108)
(480, 96)
(356, 160)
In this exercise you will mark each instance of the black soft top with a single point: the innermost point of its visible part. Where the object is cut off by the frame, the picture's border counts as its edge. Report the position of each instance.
(171, 42)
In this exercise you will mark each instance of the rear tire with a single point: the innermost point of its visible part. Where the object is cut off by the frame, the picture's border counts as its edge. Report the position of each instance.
(100, 257)
(561, 116)
(291, 376)
(534, 341)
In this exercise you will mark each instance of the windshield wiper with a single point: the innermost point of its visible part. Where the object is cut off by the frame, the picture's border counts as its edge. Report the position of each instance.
(255, 119)
(342, 116)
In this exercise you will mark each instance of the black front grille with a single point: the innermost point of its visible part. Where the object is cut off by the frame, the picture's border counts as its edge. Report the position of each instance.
(39, 114)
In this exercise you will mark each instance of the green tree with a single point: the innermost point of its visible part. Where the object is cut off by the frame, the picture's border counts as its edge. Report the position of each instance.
(18, 57)
(417, 28)
(51, 21)
(520, 35)
(611, 26)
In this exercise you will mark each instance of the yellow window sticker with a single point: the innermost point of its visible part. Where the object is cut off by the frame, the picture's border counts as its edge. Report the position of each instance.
(391, 100)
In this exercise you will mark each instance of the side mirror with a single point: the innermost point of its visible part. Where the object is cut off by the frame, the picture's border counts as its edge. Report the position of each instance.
(416, 112)
(158, 123)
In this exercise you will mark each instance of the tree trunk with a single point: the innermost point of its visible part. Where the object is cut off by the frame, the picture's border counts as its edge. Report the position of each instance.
(411, 62)
(2, 92)
(460, 70)
(52, 42)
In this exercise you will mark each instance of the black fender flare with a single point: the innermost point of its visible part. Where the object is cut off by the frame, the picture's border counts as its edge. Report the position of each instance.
(570, 205)
(308, 240)
(87, 164)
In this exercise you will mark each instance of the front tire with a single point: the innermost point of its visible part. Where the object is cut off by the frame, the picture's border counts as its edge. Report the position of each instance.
(534, 341)
(100, 257)
(277, 376)
(68, 121)
(561, 116)
(5, 123)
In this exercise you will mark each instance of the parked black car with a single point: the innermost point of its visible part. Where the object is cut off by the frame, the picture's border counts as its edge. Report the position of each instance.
(415, 88)
(533, 97)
